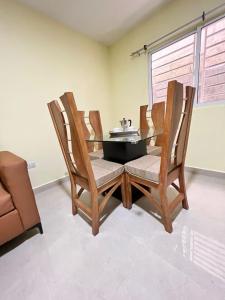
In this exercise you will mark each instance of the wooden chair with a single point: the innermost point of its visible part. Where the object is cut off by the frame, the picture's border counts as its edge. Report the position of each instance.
(157, 116)
(97, 176)
(95, 121)
(161, 172)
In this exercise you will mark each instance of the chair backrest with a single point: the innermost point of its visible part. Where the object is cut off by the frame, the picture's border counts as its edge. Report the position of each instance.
(95, 121)
(174, 107)
(182, 139)
(87, 133)
(176, 126)
(79, 146)
(61, 131)
(158, 114)
(144, 126)
(77, 158)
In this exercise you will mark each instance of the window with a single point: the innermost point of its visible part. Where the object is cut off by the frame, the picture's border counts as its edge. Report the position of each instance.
(173, 62)
(180, 61)
(212, 63)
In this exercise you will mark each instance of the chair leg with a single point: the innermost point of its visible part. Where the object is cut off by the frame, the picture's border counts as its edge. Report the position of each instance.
(166, 218)
(183, 188)
(128, 191)
(123, 191)
(95, 214)
(73, 198)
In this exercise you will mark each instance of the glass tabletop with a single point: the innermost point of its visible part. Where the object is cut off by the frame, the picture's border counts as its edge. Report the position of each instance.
(129, 138)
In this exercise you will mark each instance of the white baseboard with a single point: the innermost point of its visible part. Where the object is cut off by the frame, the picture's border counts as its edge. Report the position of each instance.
(194, 170)
(50, 184)
(206, 172)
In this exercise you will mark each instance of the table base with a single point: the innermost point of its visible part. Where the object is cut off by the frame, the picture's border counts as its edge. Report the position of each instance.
(123, 152)
(136, 194)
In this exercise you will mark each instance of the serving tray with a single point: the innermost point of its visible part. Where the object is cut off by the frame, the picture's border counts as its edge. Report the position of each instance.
(123, 133)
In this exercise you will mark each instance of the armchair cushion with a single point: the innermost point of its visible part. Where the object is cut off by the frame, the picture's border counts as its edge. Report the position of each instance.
(105, 171)
(6, 204)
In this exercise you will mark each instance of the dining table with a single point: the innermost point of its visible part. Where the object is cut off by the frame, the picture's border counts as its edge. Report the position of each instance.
(124, 148)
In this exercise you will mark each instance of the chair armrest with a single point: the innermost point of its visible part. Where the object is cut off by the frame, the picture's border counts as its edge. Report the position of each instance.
(15, 178)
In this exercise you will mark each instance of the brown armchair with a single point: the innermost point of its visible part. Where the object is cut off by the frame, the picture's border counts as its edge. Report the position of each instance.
(18, 210)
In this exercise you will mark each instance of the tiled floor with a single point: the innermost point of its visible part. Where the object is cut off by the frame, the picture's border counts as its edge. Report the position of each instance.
(131, 258)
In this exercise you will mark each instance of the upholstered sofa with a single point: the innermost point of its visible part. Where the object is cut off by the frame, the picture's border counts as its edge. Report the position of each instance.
(18, 210)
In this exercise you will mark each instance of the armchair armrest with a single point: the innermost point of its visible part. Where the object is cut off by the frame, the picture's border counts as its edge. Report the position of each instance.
(15, 178)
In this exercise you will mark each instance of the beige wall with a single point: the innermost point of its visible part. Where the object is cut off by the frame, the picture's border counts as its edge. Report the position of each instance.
(130, 83)
(39, 60)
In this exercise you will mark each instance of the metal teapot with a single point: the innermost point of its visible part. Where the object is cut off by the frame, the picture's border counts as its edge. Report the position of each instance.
(125, 124)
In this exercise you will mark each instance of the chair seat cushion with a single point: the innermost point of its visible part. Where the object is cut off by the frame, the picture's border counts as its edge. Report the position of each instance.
(154, 150)
(96, 154)
(105, 171)
(147, 167)
(6, 204)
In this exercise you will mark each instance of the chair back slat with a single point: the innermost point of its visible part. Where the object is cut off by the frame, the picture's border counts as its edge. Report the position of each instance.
(95, 121)
(61, 131)
(144, 126)
(182, 139)
(79, 146)
(174, 111)
(171, 124)
(87, 133)
(158, 113)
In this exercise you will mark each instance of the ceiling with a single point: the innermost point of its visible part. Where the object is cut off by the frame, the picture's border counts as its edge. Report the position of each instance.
(104, 20)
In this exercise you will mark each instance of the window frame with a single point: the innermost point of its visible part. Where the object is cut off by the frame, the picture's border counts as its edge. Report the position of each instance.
(196, 72)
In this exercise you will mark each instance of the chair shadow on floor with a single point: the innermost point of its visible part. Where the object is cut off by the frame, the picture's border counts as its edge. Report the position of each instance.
(147, 207)
(144, 204)
(112, 204)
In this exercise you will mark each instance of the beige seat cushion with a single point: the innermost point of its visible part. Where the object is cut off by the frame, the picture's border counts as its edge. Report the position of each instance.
(154, 150)
(96, 154)
(6, 204)
(147, 167)
(105, 171)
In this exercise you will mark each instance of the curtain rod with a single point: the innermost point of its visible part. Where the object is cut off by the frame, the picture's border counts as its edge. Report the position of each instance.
(202, 18)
